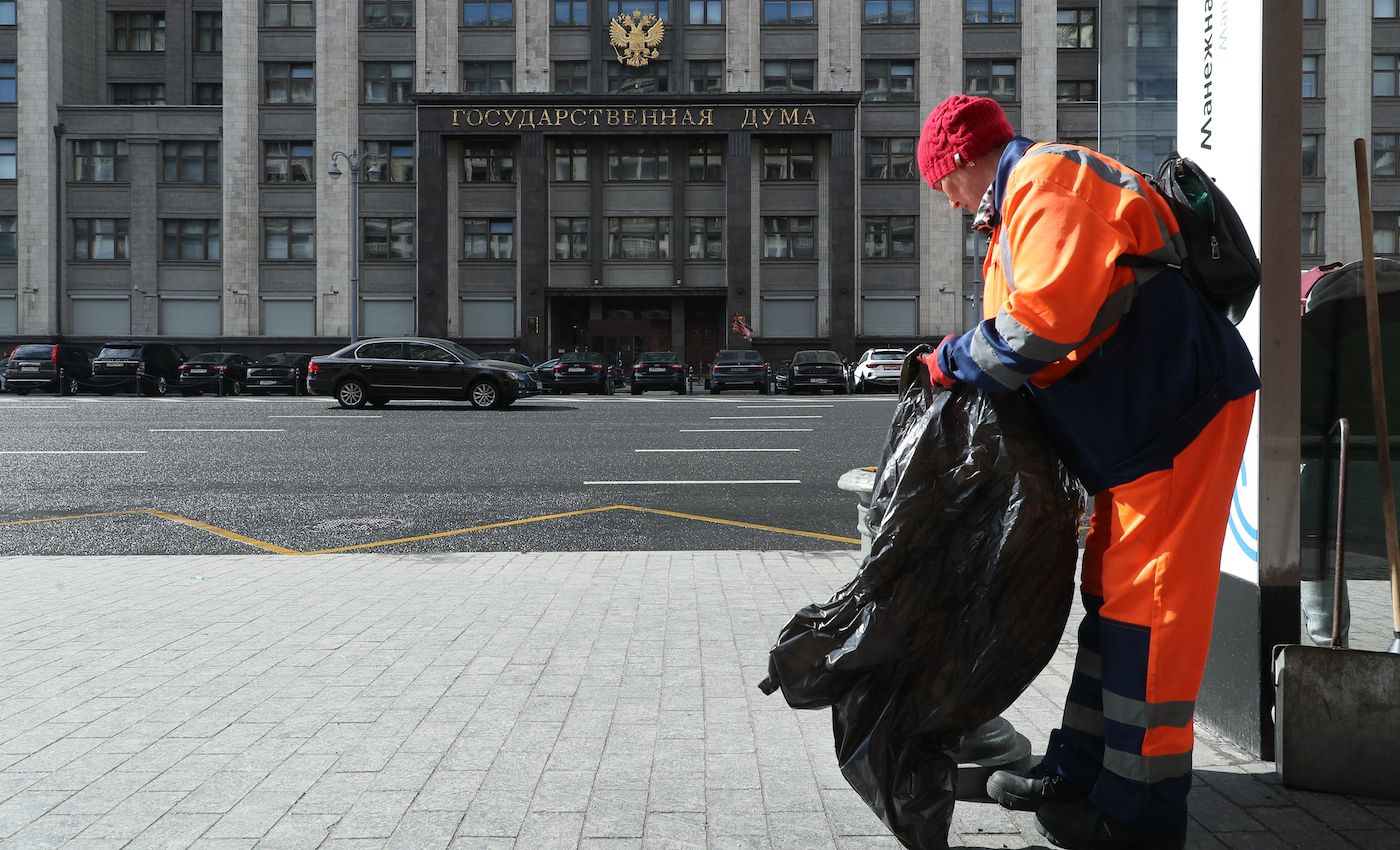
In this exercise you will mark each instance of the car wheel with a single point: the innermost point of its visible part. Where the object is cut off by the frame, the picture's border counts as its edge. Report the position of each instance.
(351, 394)
(379, 401)
(484, 395)
(235, 388)
(160, 388)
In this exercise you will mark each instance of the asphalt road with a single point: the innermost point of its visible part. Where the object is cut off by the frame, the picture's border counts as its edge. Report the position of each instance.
(237, 475)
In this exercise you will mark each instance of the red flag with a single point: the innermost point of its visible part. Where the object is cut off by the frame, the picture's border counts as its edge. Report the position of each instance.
(737, 323)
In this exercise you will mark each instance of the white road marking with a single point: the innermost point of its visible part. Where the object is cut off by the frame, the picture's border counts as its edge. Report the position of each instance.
(33, 407)
(731, 481)
(323, 416)
(804, 416)
(716, 450)
(782, 406)
(740, 430)
(216, 430)
(71, 452)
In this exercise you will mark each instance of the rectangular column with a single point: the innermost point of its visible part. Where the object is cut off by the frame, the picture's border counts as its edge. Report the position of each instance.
(841, 190)
(1038, 69)
(337, 128)
(532, 235)
(143, 162)
(39, 91)
(743, 67)
(240, 165)
(532, 18)
(432, 251)
(436, 22)
(940, 227)
(1346, 75)
(740, 260)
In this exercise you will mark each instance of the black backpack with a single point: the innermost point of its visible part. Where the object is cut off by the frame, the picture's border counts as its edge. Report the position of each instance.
(1220, 260)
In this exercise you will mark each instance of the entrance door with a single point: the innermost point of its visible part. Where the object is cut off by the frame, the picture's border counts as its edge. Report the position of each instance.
(704, 334)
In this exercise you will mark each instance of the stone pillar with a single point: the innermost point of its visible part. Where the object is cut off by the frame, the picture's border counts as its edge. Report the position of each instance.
(741, 262)
(532, 237)
(839, 34)
(743, 68)
(532, 18)
(437, 23)
(840, 196)
(143, 162)
(1346, 75)
(240, 164)
(433, 255)
(827, 238)
(940, 227)
(452, 250)
(337, 128)
(1038, 69)
(39, 91)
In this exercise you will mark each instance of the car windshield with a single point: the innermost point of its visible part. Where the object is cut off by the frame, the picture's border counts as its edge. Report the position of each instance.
(120, 352)
(33, 352)
(210, 357)
(738, 357)
(282, 358)
(461, 351)
(887, 355)
(802, 357)
(659, 357)
(581, 357)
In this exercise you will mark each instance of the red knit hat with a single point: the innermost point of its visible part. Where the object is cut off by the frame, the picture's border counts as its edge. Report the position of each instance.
(967, 126)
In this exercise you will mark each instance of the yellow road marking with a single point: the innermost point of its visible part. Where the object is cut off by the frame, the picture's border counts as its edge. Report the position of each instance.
(453, 533)
(753, 525)
(224, 533)
(71, 516)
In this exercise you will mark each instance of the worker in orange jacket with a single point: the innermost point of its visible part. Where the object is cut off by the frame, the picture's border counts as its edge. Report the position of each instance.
(1147, 392)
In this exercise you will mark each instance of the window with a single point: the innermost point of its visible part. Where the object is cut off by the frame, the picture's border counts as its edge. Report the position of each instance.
(7, 13)
(385, 317)
(488, 13)
(395, 161)
(488, 318)
(639, 238)
(1151, 26)
(9, 237)
(101, 316)
(995, 78)
(190, 239)
(7, 82)
(571, 77)
(190, 162)
(388, 238)
(1311, 74)
(707, 76)
(388, 82)
(288, 162)
(660, 8)
(288, 13)
(880, 12)
(571, 13)
(571, 238)
(137, 32)
(488, 77)
(100, 161)
(1386, 229)
(100, 238)
(706, 12)
(1383, 75)
(208, 32)
(784, 75)
(8, 146)
(1074, 29)
(989, 12)
(571, 161)
(890, 80)
(890, 158)
(1312, 10)
(706, 237)
(889, 237)
(889, 315)
(789, 12)
(1383, 8)
(124, 94)
(623, 79)
(789, 317)
(1312, 152)
(639, 159)
(1076, 91)
(197, 316)
(488, 161)
(208, 94)
(706, 163)
(789, 159)
(289, 82)
(282, 316)
(488, 238)
(388, 13)
(789, 237)
(1312, 235)
(289, 238)
(1383, 154)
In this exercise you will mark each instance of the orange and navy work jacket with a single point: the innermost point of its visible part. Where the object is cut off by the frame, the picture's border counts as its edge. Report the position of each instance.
(1126, 363)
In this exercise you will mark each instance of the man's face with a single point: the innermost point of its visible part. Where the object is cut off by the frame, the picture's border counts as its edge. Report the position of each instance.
(964, 187)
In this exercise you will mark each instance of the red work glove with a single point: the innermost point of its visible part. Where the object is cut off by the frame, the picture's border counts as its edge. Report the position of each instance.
(935, 372)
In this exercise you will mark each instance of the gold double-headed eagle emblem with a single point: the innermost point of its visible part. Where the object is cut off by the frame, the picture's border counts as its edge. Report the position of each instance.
(635, 37)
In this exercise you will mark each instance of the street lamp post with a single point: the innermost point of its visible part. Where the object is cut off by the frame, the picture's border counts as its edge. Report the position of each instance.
(354, 162)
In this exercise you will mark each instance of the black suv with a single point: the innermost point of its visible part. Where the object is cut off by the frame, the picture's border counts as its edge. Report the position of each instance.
(150, 368)
(58, 367)
(738, 367)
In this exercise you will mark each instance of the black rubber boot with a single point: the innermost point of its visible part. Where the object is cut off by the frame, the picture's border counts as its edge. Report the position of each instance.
(1080, 826)
(1028, 790)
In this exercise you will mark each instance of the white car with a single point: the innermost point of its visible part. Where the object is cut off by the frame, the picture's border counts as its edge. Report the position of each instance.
(878, 368)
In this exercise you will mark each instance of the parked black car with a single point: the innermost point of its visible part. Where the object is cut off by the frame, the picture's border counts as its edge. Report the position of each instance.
(59, 368)
(816, 370)
(151, 368)
(214, 371)
(738, 368)
(545, 372)
(284, 371)
(4, 365)
(509, 357)
(582, 370)
(377, 371)
(659, 370)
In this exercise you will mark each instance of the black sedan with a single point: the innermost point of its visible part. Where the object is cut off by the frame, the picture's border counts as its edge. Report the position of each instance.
(377, 371)
(545, 372)
(283, 372)
(658, 370)
(214, 371)
(582, 370)
(816, 370)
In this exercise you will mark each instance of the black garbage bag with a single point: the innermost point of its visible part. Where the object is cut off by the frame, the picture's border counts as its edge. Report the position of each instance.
(959, 606)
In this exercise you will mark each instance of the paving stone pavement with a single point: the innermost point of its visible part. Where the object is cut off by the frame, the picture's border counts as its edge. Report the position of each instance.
(594, 701)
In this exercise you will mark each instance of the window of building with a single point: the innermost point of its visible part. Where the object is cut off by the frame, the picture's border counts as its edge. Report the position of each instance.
(1386, 229)
(571, 161)
(639, 159)
(124, 94)
(789, 75)
(994, 78)
(639, 238)
(889, 80)
(388, 82)
(289, 13)
(789, 12)
(8, 148)
(1312, 75)
(1312, 153)
(789, 237)
(388, 13)
(289, 162)
(706, 12)
(137, 32)
(395, 160)
(571, 13)
(488, 318)
(9, 237)
(1312, 234)
(488, 13)
(289, 238)
(7, 82)
(789, 159)
(488, 161)
(789, 316)
(1383, 8)
(1384, 147)
(659, 8)
(705, 237)
(385, 316)
(208, 94)
(571, 77)
(571, 238)
(101, 316)
(1150, 26)
(7, 13)
(624, 79)
(889, 237)
(882, 12)
(990, 12)
(388, 238)
(1383, 75)
(190, 162)
(889, 158)
(208, 32)
(288, 316)
(1153, 88)
(100, 161)
(488, 77)
(193, 240)
(101, 239)
(1076, 91)
(889, 315)
(196, 316)
(1074, 29)
(706, 76)
(289, 82)
(1313, 10)
(488, 238)
(706, 161)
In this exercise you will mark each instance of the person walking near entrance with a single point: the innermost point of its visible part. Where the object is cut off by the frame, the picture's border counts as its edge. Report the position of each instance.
(1148, 393)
